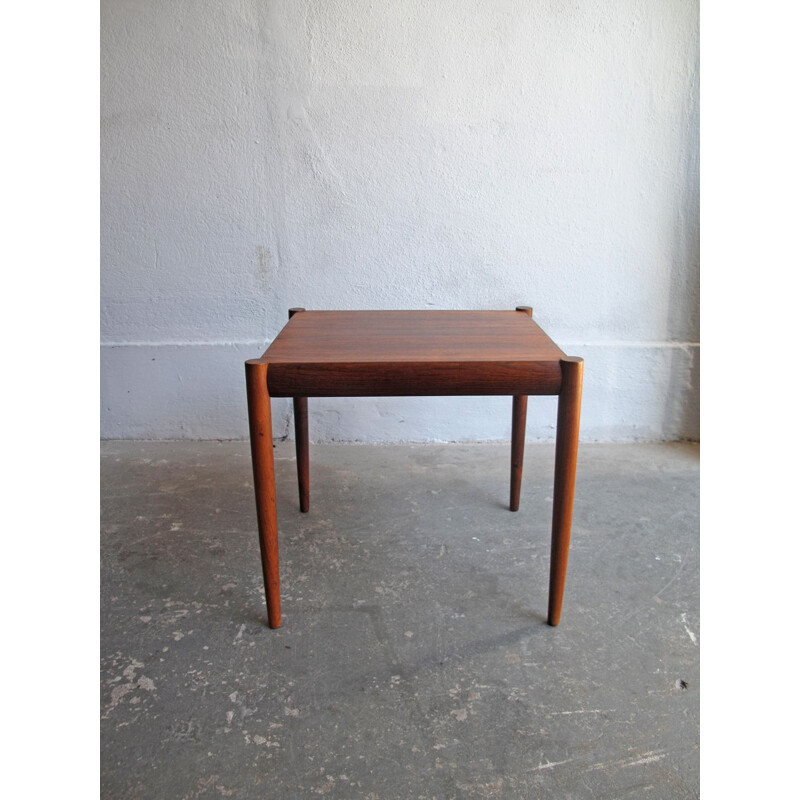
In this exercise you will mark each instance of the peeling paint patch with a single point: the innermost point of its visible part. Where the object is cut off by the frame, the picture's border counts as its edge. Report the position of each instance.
(686, 628)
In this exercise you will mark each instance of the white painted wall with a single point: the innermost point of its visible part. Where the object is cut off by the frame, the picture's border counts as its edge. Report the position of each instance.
(262, 154)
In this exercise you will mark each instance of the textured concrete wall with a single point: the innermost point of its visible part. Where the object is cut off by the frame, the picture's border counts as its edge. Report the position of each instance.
(453, 154)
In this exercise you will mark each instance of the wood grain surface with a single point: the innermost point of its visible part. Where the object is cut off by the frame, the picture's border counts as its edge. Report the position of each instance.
(397, 353)
(403, 336)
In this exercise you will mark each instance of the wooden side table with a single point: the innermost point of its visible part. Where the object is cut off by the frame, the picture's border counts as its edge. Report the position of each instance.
(413, 353)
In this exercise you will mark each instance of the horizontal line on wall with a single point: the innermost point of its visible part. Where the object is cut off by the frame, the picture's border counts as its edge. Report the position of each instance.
(260, 343)
(623, 343)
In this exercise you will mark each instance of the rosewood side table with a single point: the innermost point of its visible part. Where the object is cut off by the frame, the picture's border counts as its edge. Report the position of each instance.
(402, 353)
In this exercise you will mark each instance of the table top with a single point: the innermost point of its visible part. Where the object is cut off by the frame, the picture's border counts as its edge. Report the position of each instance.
(394, 337)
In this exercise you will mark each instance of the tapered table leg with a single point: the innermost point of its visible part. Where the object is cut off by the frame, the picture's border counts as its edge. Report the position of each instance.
(301, 445)
(301, 438)
(518, 415)
(258, 404)
(569, 417)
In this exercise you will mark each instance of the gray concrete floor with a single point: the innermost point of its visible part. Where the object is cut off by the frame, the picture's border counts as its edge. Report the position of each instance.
(414, 659)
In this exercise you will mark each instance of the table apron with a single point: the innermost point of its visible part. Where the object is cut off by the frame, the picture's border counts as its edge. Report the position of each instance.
(414, 379)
